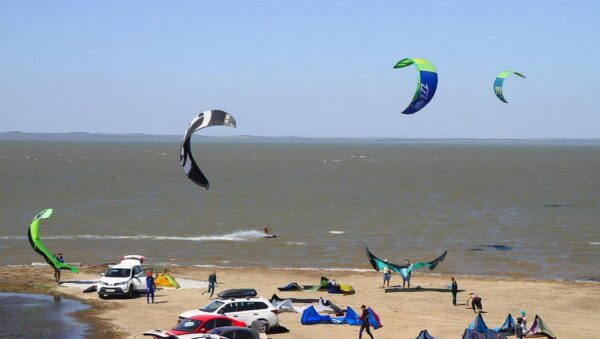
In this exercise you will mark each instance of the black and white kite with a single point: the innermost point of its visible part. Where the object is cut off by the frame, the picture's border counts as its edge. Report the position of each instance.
(204, 119)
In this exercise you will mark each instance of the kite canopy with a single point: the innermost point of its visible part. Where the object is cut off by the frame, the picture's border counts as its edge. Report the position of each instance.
(540, 329)
(33, 234)
(426, 84)
(204, 119)
(500, 80)
(404, 270)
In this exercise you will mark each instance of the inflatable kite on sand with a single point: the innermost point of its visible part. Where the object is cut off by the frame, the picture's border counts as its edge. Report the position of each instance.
(203, 120)
(404, 270)
(33, 234)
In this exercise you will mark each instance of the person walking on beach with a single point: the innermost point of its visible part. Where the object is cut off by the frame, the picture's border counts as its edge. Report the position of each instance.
(475, 302)
(212, 282)
(150, 287)
(387, 275)
(60, 259)
(406, 278)
(454, 290)
(364, 325)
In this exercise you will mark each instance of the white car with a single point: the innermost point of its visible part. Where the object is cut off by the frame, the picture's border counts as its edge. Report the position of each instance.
(242, 309)
(125, 278)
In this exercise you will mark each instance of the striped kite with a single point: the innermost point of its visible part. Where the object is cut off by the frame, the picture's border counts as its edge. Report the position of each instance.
(204, 119)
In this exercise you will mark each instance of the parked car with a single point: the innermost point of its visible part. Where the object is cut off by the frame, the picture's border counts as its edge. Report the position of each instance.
(242, 309)
(232, 332)
(124, 279)
(198, 324)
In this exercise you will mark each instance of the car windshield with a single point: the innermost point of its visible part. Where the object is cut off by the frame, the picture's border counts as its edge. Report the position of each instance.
(213, 306)
(188, 325)
(118, 273)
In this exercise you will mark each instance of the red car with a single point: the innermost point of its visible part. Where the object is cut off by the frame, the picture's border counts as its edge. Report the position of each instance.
(197, 324)
(204, 323)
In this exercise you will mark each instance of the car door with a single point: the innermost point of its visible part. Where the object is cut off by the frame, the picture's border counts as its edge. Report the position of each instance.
(247, 312)
(207, 326)
(230, 310)
(262, 310)
(138, 279)
(220, 322)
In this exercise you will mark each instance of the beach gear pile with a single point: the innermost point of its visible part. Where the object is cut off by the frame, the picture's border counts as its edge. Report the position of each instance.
(166, 280)
(323, 305)
(477, 329)
(310, 316)
(326, 284)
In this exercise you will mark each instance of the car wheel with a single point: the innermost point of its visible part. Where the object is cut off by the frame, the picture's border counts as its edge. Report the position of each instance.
(265, 325)
(130, 292)
(102, 296)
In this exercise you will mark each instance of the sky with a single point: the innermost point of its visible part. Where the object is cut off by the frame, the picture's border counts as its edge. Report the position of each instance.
(300, 68)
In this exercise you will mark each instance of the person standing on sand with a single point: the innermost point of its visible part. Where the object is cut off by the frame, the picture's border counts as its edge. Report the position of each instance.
(519, 328)
(387, 275)
(212, 282)
(365, 322)
(406, 279)
(150, 287)
(523, 324)
(454, 290)
(475, 302)
(60, 259)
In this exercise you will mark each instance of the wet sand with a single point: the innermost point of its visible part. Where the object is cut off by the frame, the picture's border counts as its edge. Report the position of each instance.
(569, 308)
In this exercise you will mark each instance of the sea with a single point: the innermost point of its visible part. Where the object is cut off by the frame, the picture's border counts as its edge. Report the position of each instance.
(509, 208)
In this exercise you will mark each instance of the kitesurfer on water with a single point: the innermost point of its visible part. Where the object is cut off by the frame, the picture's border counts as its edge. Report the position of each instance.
(267, 229)
(364, 325)
(150, 287)
(60, 259)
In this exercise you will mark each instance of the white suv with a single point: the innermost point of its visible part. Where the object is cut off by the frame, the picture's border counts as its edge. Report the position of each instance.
(242, 309)
(125, 278)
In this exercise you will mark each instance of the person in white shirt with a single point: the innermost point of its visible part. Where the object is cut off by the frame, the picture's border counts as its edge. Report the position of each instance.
(387, 275)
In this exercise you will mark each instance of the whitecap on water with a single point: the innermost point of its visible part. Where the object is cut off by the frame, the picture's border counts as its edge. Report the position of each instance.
(337, 232)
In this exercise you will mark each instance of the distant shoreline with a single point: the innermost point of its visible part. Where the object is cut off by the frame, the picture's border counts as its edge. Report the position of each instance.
(140, 137)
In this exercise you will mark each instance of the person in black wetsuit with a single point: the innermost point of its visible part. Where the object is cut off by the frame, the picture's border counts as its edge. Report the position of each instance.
(365, 322)
(454, 291)
(212, 282)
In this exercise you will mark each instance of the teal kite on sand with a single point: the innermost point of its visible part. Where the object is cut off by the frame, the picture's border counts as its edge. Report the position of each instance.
(404, 270)
(34, 238)
(426, 83)
(500, 80)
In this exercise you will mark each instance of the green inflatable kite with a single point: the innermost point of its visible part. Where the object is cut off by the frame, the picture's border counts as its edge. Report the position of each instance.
(500, 80)
(426, 84)
(34, 238)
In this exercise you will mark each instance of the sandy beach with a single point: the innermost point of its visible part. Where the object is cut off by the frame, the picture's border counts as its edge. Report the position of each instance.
(570, 308)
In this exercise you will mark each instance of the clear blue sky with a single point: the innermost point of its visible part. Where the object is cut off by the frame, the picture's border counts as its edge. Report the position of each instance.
(302, 68)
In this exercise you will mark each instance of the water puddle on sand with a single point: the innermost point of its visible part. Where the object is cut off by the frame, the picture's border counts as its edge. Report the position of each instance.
(27, 315)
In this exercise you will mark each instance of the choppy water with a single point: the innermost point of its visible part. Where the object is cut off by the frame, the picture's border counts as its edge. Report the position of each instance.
(325, 201)
(39, 316)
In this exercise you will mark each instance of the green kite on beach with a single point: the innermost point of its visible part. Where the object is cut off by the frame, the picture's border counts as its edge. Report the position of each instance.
(34, 238)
